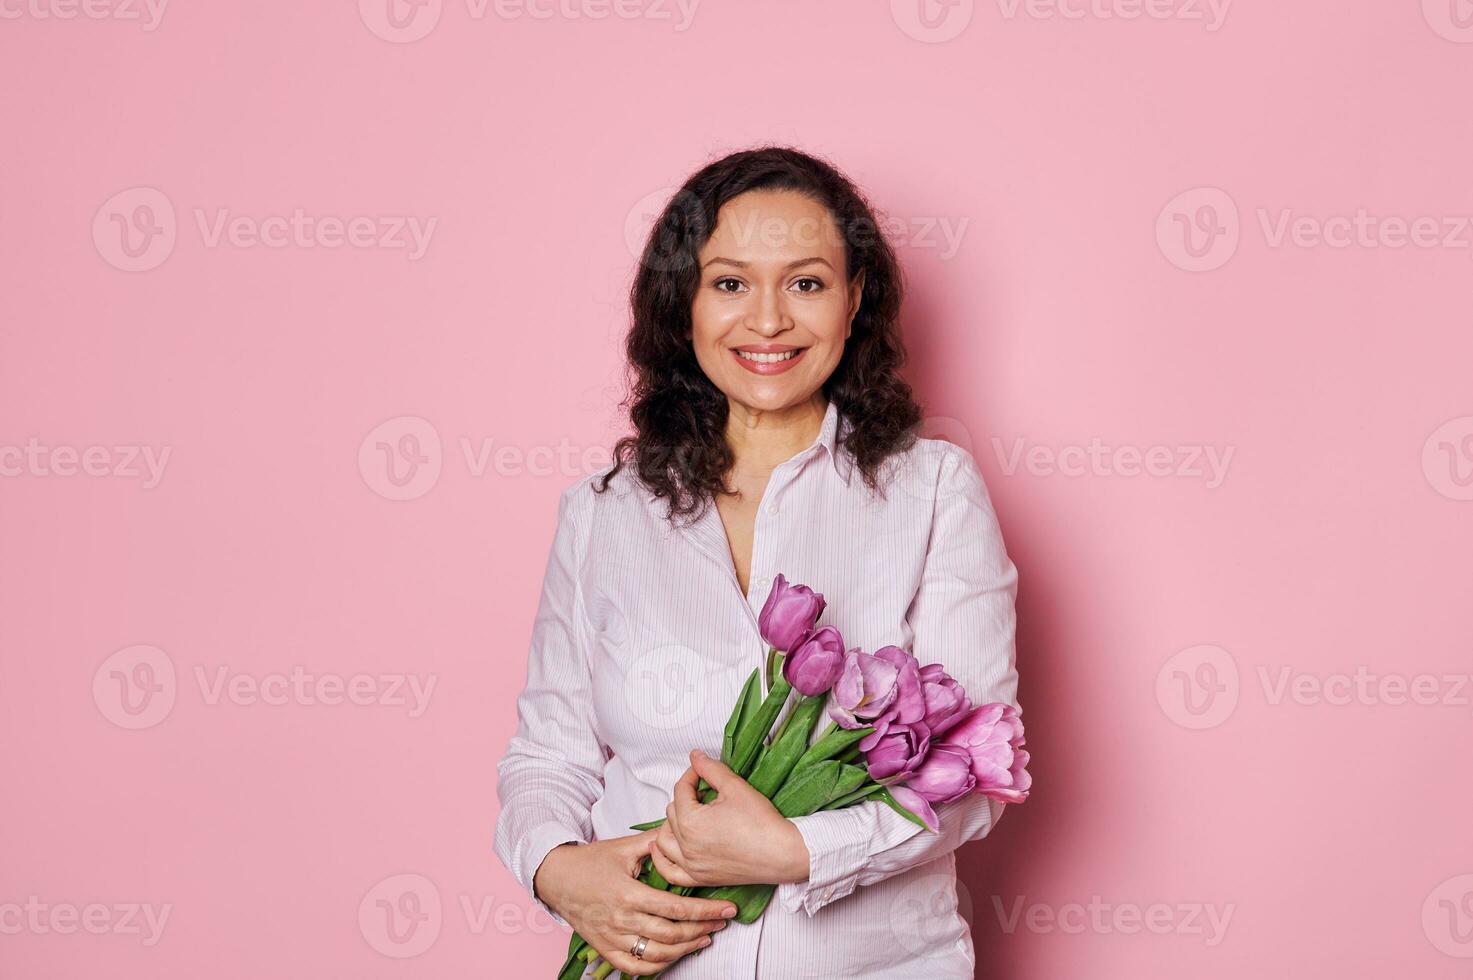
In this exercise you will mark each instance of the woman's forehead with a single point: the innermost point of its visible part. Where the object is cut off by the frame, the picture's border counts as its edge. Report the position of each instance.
(774, 227)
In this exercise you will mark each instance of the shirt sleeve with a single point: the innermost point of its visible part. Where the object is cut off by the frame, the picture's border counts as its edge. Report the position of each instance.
(962, 617)
(552, 772)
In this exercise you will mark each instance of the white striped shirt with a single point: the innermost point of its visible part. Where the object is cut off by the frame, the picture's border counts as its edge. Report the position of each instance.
(642, 641)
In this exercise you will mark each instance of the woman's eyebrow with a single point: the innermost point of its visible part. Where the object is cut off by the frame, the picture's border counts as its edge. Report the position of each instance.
(790, 265)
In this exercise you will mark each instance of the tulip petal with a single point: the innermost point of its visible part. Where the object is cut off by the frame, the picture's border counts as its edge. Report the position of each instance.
(916, 804)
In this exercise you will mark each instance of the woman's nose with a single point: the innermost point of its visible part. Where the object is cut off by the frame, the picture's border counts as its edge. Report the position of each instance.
(770, 313)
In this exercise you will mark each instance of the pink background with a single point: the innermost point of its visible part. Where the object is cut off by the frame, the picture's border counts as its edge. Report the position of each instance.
(1064, 155)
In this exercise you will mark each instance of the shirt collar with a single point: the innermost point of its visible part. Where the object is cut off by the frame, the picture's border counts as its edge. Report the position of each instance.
(828, 439)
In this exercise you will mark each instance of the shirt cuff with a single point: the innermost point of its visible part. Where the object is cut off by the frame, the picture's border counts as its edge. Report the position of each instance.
(838, 844)
(535, 848)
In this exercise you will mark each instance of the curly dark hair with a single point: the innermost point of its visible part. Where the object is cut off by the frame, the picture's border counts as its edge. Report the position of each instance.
(679, 450)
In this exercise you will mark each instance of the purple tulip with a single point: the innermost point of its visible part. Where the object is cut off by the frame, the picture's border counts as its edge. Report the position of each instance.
(946, 700)
(992, 737)
(898, 752)
(814, 666)
(909, 705)
(788, 614)
(945, 775)
(865, 689)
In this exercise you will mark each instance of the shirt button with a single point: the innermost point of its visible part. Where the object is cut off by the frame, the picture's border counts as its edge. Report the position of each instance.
(772, 507)
(761, 584)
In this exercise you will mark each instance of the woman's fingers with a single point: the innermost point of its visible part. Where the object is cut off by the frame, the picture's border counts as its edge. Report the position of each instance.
(661, 954)
(656, 958)
(669, 931)
(680, 907)
(635, 848)
(671, 863)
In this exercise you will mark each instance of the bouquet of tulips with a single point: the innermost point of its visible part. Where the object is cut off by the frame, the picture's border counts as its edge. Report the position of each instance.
(898, 732)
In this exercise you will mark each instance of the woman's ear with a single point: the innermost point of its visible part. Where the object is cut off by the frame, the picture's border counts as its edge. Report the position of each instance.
(856, 291)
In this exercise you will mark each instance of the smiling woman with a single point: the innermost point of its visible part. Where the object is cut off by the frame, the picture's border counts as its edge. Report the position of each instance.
(772, 434)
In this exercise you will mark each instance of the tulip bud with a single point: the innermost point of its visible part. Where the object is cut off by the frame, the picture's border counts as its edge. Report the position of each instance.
(788, 614)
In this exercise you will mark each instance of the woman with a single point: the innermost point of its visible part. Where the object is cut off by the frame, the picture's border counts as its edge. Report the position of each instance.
(773, 434)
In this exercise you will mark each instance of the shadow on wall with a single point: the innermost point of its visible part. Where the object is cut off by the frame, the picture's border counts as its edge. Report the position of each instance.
(996, 871)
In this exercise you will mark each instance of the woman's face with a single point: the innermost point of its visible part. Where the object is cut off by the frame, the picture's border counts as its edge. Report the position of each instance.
(772, 285)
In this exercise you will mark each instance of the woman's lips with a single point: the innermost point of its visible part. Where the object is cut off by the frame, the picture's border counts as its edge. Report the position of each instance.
(769, 367)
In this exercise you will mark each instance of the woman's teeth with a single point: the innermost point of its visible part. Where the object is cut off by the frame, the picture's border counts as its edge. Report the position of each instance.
(769, 358)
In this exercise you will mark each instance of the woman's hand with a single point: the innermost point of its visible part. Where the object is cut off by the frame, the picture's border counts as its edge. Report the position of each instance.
(594, 887)
(737, 839)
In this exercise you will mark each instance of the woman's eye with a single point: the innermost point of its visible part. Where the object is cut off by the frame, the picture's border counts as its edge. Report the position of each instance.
(816, 284)
(722, 284)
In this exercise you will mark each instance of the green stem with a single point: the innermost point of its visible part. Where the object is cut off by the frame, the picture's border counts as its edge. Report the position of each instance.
(854, 797)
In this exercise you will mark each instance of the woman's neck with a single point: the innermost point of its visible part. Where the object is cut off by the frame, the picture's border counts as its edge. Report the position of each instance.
(763, 440)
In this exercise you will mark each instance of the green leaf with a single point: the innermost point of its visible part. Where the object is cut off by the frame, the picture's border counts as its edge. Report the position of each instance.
(647, 825)
(807, 790)
(832, 744)
(850, 779)
(749, 739)
(750, 900)
(751, 691)
(854, 797)
(773, 769)
(575, 963)
(653, 878)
